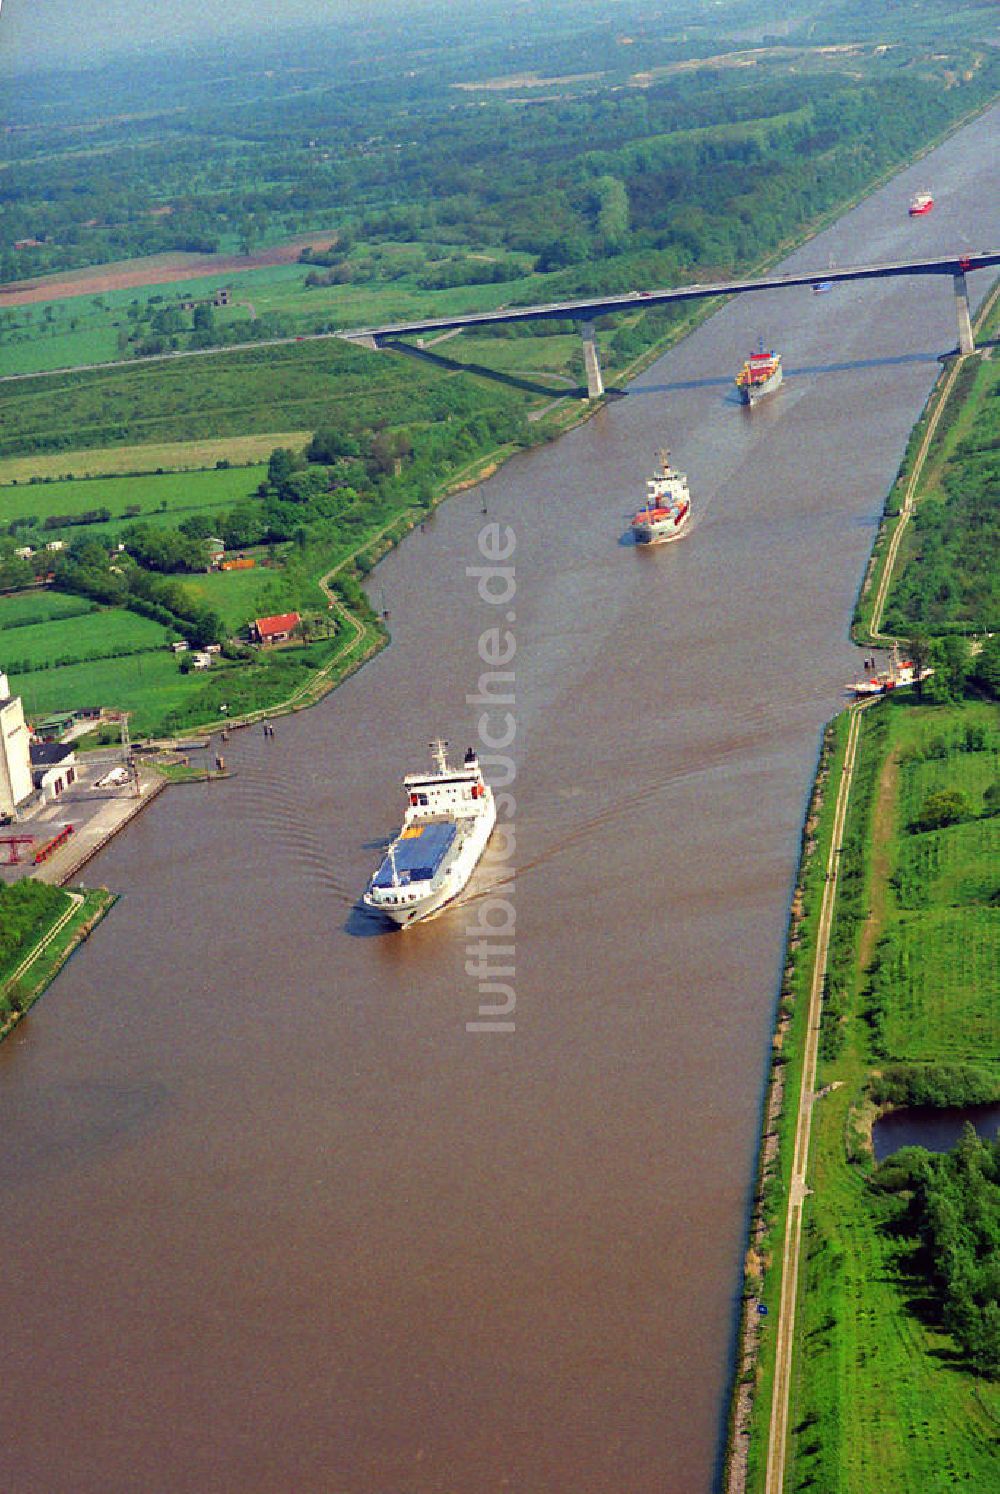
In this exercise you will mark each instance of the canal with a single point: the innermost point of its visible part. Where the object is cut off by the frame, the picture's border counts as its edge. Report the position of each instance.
(272, 1217)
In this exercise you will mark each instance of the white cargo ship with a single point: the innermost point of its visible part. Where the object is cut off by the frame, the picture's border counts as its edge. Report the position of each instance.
(450, 814)
(667, 513)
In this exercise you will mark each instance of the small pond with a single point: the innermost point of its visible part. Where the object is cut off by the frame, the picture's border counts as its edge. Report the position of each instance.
(935, 1127)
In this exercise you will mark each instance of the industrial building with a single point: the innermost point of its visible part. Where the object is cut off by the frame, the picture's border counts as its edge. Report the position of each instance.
(16, 785)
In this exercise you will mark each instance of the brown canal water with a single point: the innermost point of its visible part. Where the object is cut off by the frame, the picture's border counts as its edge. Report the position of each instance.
(272, 1218)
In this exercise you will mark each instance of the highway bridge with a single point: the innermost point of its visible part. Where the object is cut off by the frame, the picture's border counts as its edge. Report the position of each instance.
(585, 310)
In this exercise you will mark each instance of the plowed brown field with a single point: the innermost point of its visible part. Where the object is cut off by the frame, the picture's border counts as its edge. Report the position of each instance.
(157, 269)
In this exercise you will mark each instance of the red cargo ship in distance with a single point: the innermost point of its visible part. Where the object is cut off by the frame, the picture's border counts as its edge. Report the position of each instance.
(922, 203)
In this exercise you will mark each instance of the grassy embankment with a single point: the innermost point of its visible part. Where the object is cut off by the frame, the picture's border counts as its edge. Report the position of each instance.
(912, 986)
(878, 1388)
(880, 1395)
(762, 1279)
(951, 411)
(43, 927)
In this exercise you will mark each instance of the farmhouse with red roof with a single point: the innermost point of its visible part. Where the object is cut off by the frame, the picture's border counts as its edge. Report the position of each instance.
(275, 629)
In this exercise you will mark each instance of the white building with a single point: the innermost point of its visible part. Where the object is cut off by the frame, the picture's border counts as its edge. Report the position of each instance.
(15, 752)
(53, 768)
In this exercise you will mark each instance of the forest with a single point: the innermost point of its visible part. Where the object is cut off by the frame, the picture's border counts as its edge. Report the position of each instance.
(580, 175)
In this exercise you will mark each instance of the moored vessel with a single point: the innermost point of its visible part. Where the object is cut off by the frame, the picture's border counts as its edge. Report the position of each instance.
(667, 513)
(920, 204)
(900, 672)
(449, 817)
(760, 375)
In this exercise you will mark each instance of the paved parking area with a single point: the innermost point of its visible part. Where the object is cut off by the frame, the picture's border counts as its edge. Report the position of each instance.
(94, 812)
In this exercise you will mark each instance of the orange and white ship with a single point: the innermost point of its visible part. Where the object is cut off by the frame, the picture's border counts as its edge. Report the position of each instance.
(761, 374)
(667, 513)
(922, 203)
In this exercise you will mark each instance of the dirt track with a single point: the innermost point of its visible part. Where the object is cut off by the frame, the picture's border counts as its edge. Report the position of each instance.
(158, 269)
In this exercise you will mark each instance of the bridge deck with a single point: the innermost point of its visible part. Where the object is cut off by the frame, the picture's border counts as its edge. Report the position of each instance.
(585, 310)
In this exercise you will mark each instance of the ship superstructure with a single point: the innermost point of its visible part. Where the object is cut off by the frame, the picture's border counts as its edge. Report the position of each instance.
(760, 375)
(667, 513)
(921, 204)
(449, 817)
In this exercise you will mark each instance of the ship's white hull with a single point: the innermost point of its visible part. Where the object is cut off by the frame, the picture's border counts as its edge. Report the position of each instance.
(883, 683)
(661, 534)
(406, 905)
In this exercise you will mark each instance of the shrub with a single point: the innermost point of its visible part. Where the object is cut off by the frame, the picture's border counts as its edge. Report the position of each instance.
(945, 807)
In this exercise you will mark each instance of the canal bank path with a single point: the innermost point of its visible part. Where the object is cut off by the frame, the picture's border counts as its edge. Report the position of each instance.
(798, 1187)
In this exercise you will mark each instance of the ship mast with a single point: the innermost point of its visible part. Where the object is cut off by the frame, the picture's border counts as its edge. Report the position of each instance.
(439, 755)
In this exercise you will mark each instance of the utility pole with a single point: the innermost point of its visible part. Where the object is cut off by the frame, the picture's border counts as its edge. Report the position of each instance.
(128, 757)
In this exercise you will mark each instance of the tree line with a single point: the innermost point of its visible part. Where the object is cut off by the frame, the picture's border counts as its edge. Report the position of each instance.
(712, 165)
(946, 1208)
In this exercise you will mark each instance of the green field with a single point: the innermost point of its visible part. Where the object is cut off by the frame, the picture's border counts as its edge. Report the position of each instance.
(300, 386)
(148, 684)
(63, 349)
(283, 291)
(134, 461)
(85, 329)
(881, 1398)
(239, 596)
(163, 700)
(30, 607)
(166, 499)
(170, 493)
(96, 635)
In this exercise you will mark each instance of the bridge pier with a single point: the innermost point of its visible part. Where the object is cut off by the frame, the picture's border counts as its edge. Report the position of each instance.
(595, 384)
(966, 341)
